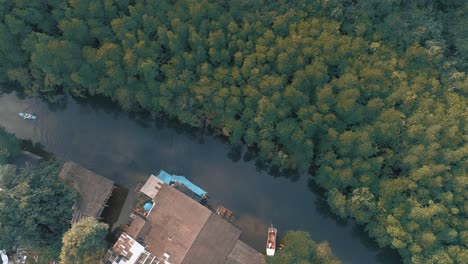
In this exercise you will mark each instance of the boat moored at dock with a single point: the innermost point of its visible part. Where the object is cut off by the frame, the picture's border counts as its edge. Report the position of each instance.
(271, 241)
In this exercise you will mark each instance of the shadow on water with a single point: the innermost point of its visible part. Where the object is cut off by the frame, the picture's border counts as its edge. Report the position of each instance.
(37, 149)
(385, 255)
(99, 103)
(55, 103)
(111, 213)
(322, 206)
(143, 118)
(237, 152)
(8, 88)
(198, 134)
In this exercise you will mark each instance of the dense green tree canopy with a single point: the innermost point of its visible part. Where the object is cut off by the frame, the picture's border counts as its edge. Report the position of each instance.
(370, 93)
(84, 242)
(35, 207)
(299, 248)
(9, 146)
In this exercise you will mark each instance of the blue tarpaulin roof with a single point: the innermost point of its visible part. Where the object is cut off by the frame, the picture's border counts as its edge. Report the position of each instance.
(168, 178)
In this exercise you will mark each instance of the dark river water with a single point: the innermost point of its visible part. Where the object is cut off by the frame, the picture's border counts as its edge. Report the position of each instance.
(127, 148)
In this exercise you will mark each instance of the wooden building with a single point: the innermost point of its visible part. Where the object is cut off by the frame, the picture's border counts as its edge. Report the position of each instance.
(94, 190)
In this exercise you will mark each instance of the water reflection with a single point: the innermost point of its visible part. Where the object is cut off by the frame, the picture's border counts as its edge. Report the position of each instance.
(252, 228)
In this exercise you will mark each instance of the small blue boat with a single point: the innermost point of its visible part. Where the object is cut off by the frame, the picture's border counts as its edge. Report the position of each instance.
(27, 116)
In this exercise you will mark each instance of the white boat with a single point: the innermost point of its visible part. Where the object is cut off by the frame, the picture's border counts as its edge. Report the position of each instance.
(271, 241)
(27, 116)
(3, 256)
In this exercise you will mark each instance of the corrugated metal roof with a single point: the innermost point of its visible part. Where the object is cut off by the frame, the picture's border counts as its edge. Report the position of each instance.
(214, 242)
(175, 221)
(138, 228)
(152, 186)
(94, 190)
(244, 254)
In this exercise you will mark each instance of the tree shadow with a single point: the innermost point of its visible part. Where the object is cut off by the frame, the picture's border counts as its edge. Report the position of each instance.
(11, 87)
(55, 102)
(142, 117)
(197, 134)
(385, 255)
(235, 152)
(322, 206)
(389, 256)
(100, 103)
(37, 149)
(111, 213)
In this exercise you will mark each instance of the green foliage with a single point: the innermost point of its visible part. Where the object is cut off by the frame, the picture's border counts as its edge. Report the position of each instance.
(370, 93)
(9, 146)
(299, 248)
(35, 206)
(84, 242)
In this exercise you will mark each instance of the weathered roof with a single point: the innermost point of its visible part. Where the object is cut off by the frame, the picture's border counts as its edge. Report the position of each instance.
(244, 254)
(189, 233)
(214, 242)
(176, 220)
(152, 186)
(136, 227)
(128, 248)
(94, 190)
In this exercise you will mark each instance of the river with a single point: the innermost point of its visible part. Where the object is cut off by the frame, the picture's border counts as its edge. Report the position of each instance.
(127, 148)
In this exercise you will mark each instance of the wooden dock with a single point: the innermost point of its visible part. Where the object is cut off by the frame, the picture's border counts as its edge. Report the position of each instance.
(224, 213)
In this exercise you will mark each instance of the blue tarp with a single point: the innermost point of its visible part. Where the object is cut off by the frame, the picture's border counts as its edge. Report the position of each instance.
(168, 178)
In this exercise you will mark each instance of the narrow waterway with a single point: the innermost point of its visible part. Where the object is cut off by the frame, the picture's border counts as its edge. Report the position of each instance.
(127, 148)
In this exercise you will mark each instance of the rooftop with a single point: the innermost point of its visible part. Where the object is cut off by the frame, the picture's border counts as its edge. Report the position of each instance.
(128, 249)
(214, 243)
(244, 254)
(94, 190)
(152, 186)
(180, 230)
(176, 220)
(139, 228)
